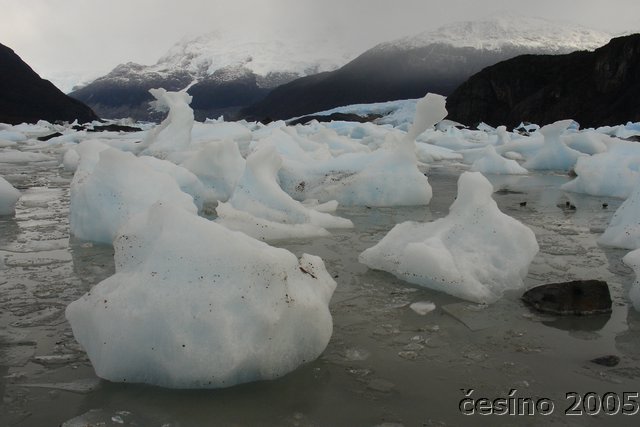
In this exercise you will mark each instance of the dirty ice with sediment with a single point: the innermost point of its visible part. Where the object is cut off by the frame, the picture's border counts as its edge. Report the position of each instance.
(196, 214)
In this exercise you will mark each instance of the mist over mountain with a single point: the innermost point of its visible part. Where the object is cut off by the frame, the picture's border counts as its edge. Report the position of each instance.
(223, 71)
(594, 88)
(435, 61)
(284, 76)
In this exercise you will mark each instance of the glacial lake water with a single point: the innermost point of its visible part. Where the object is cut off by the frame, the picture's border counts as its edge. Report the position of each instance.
(384, 366)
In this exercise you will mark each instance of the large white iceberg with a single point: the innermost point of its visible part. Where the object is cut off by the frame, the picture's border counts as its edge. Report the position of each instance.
(554, 154)
(614, 173)
(493, 163)
(195, 305)
(218, 164)
(174, 133)
(104, 197)
(388, 176)
(8, 197)
(186, 180)
(624, 229)
(260, 208)
(475, 253)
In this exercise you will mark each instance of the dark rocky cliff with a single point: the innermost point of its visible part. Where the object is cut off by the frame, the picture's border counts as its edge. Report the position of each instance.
(25, 97)
(594, 88)
(375, 76)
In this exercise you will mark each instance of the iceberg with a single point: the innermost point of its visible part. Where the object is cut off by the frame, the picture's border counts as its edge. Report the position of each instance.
(219, 165)
(9, 196)
(624, 229)
(554, 154)
(195, 305)
(475, 253)
(494, 163)
(260, 208)
(174, 133)
(388, 176)
(119, 186)
(614, 173)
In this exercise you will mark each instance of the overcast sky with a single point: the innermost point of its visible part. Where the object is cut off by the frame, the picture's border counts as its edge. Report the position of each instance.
(90, 37)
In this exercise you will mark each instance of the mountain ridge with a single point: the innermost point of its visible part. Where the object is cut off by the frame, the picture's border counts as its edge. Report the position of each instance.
(594, 88)
(26, 97)
(429, 62)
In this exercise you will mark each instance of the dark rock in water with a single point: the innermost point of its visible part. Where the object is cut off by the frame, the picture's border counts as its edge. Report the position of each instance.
(579, 297)
(50, 136)
(594, 88)
(336, 117)
(28, 98)
(609, 361)
(114, 128)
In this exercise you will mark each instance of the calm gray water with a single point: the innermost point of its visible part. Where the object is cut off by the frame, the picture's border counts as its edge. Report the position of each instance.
(385, 364)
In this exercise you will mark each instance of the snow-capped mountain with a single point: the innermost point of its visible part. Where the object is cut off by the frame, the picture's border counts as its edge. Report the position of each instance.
(235, 68)
(202, 56)
(433, 61)
(508, 31)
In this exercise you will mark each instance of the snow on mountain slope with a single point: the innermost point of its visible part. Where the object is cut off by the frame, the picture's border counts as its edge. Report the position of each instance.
(508, 30)
(203, 55)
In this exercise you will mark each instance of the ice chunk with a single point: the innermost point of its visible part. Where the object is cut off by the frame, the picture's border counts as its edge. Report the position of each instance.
(429, 153)
(218, 165)
(554, 154)
(588, 142)
(632, 259)
(8, 197)
(12, 135)
(119, 186)
(474, 253)
(494, 163)
(186, 180)
(195, 305)
(503, 136)
(615, 173)
(266, 211)
(429, 111)
(70, 160)
(423, 307)
(388, 176)
(174, 133)
(624, 229)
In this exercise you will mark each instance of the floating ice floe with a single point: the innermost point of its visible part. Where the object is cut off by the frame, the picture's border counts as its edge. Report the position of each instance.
(186, 180)
(554, 154)
(388, 176)
(615, 173)
(429, 153)
(174, 133)
(493, 163)
(195, 305)
(9, 196)
(475, 253)
(624, 229)
(261, 209)
(104, 197)
(632, 259)
(219, 165)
